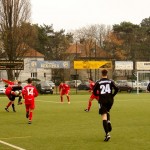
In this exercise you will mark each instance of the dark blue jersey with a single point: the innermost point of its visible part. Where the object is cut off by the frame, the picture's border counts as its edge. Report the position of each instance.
(106, 89)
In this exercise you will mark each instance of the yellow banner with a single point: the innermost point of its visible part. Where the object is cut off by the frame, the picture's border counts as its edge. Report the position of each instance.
(92, 64)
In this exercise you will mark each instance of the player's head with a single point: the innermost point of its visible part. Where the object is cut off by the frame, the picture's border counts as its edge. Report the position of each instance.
(104, 72)
(19, 83)
(29, 80)
(90, 79)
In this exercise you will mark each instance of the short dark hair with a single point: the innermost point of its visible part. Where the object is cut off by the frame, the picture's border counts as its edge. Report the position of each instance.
(104, 72)
(19, 82)
(91, 79)
(29, 80)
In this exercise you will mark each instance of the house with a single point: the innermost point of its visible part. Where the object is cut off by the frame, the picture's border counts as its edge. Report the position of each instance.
(30, 58)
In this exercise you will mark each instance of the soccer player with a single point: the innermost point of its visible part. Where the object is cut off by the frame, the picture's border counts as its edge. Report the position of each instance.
(92, 97)
(11, 84)
(29, 93)
(64, 89)
(11, 94)
(107, 90)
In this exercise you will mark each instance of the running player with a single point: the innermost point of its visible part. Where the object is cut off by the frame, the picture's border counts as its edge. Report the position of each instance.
(92, 97)
(64, 89)
(107, 90)
(29, 93)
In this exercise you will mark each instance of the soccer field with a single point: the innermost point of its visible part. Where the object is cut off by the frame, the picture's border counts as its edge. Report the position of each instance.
(66, 126)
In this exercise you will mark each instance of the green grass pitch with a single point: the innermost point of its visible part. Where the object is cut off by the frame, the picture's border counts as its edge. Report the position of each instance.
(59, 126)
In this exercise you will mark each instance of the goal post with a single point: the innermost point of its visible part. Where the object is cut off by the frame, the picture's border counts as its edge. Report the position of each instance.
(138, 78)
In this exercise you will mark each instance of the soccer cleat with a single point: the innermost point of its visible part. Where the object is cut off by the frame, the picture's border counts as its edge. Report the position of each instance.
(68, 102)
(86, 110)
(6, 109)
(14, 110)
(109, 126)
(27, 114)
(107, 137)
(29, 122)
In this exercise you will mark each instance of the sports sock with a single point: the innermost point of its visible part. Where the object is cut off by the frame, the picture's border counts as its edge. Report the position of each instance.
(8, 104)
(13, 106)
(19, 99)
(68, 98)
(30, 116)
(61, 99)
(108, 116)
(89, 105)
(105, 126)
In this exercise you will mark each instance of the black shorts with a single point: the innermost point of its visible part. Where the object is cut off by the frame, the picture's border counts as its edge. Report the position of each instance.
(12, 97)
(105, 106)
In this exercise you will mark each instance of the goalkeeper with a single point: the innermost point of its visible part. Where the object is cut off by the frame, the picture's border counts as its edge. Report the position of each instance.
(13, 91)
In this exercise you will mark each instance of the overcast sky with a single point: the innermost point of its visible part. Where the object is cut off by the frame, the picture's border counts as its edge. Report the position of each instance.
(74, 14)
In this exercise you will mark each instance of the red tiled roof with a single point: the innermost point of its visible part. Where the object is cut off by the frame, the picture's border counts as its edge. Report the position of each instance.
(32, 53)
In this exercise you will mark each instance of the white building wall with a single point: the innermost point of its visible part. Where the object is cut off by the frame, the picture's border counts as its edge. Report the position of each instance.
(28, 69)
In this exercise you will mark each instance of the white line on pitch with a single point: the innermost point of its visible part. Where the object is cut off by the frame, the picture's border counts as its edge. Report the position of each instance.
(57, 102)
(15, 137)
(16, 147)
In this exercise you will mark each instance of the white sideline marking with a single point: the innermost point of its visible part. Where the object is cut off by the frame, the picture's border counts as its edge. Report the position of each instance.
(15, 137)
(16, 147)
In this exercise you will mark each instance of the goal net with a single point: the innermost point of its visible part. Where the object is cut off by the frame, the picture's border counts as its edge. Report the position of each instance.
(143, 78)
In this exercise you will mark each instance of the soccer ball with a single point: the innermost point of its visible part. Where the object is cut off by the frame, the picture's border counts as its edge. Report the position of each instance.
(17, 93)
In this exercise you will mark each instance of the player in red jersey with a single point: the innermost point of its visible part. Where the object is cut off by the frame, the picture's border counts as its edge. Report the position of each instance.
(11, 93)
(29, 93)
(92, 97)
(64, 89)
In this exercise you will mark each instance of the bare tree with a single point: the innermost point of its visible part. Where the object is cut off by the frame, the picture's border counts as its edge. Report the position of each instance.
(92, 39)
(97, 32)
(15, 30)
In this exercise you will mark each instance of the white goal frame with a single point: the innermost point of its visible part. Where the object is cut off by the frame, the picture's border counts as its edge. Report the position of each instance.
(138, 72)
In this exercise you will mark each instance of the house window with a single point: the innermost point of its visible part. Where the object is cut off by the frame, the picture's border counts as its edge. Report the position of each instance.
(34, 75)
(45, 75)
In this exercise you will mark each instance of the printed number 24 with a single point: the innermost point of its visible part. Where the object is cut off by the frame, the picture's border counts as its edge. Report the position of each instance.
(105, 88)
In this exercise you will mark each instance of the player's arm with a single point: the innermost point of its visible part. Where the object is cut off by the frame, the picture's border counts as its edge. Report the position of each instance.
(24, 92)
(35, 92)
(95, 89)
(7, 81)
(116, 89)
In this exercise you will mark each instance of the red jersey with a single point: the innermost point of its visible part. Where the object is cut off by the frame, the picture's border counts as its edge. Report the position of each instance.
(29, 92)
(91, 86)
(8, 91)
(64, 87)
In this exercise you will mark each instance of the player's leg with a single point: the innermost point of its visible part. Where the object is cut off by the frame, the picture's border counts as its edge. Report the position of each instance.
(19, 100)
(108, 121)
(31, 108)
(30, 116)
(108, 114)
(103, 112)
(105, 126)
(61, 97)
(13, 106)
(68, 97)
(9, 103)
(90, 103)
(27, 110)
